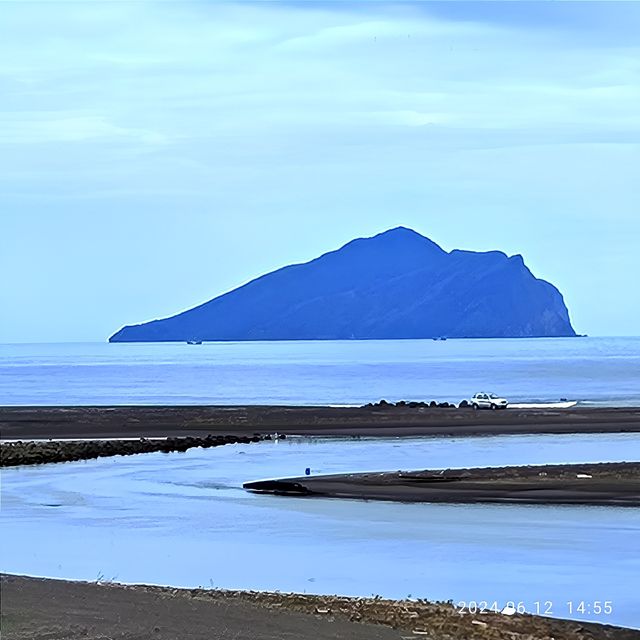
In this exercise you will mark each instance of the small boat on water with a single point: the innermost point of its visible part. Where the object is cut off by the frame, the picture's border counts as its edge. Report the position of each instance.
(194, 341)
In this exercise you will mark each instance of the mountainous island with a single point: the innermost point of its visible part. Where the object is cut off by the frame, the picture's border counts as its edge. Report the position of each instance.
(397, 284)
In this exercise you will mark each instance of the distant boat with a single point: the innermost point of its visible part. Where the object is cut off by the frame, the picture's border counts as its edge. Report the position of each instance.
(194, 341)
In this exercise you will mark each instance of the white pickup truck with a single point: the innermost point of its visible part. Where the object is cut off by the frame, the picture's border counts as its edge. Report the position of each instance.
(484, 400)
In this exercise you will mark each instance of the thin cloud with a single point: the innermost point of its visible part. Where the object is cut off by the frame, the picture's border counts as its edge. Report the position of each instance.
(39, 128)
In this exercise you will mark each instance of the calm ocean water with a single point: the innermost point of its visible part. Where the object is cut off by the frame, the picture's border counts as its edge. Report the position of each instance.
(590, 370)
(184, 520)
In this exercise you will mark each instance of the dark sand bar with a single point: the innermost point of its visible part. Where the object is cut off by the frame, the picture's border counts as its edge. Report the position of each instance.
(615, 484)
(41, 608)
(24, 423)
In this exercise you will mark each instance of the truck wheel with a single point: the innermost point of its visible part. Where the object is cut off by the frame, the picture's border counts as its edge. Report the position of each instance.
(493, 407)
(474, 406)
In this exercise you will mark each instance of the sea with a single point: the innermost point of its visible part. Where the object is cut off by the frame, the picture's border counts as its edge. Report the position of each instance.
(592, 371)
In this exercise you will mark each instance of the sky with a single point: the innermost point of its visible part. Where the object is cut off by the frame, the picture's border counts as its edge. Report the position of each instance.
(154, 154)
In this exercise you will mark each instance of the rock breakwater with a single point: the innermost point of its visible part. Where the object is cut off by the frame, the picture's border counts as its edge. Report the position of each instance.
(34, 452)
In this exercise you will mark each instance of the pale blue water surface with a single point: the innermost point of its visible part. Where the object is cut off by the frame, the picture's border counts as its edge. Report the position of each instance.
(591, 370)
(183, 520)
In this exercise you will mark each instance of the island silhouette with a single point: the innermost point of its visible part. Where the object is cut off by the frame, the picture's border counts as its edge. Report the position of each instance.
(398, 284)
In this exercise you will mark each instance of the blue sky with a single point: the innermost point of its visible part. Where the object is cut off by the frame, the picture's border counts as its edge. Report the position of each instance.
(154, 154)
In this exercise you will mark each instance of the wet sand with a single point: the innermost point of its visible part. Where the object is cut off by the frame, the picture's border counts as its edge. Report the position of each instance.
(23, 423)
(613, 484)
(56, 609)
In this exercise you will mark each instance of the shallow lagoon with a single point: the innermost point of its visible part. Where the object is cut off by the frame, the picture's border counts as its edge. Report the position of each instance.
(183, 519)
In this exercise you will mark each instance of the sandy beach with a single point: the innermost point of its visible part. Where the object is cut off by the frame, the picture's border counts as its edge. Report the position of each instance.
(615, 484)
(56, 609)
(25, 423)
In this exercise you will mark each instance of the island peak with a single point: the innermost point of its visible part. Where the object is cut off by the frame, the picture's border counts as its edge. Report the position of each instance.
(396, 284)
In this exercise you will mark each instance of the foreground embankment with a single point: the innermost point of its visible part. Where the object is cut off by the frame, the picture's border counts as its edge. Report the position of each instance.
(22, 423)
(615, 483)
(17, 453)
(36, 607)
